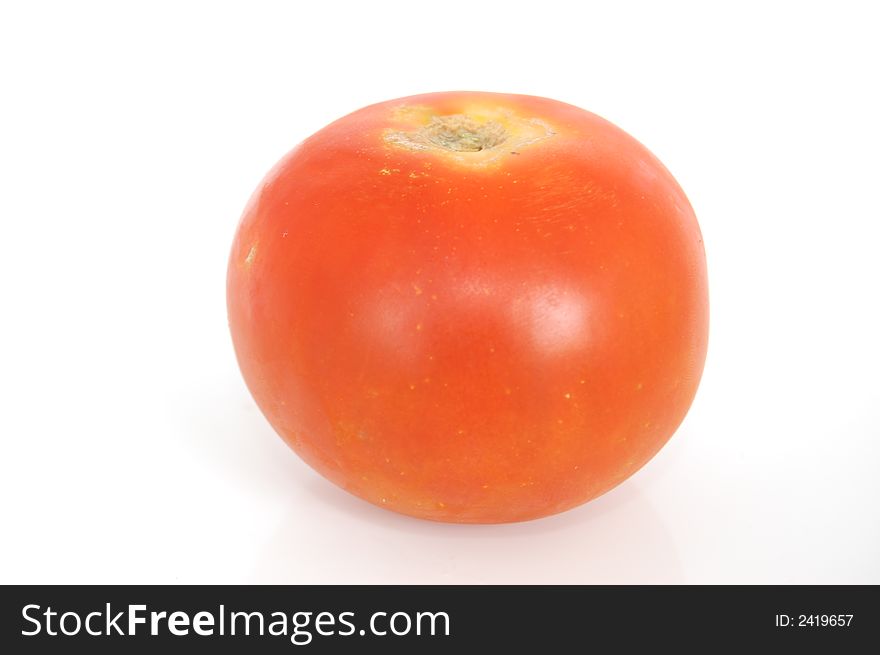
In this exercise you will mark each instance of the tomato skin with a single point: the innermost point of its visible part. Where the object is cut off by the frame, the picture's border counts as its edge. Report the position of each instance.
(471, 343)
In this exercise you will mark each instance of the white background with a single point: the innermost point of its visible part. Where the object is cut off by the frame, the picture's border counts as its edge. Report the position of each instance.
(131, 137)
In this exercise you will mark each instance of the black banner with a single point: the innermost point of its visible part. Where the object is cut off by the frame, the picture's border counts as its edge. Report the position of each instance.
(114, 619)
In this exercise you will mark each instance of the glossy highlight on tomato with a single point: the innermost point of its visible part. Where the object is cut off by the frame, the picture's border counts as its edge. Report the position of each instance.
(471, 307)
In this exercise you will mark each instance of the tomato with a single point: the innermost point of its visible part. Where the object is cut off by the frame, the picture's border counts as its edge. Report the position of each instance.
(471, 307)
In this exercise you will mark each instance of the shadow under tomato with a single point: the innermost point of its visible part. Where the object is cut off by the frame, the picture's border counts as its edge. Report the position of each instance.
(617, 538)
(328, 536)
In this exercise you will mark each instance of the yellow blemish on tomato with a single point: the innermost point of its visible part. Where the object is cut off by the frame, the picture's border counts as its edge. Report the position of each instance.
(252, 253)
(411, 113)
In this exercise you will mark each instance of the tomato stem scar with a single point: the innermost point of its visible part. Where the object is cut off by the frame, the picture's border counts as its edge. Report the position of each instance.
(475, 136)
(463, 134)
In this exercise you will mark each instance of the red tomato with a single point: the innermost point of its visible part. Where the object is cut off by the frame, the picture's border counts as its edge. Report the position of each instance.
(471, 307)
